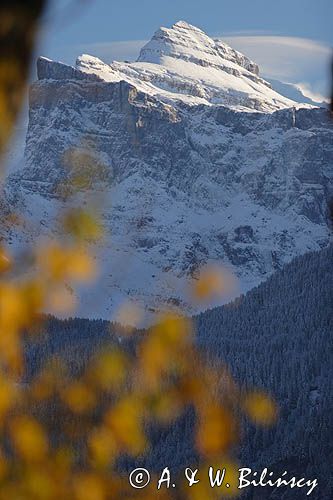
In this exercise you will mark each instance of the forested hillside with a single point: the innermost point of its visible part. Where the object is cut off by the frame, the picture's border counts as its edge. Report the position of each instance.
(277, 337)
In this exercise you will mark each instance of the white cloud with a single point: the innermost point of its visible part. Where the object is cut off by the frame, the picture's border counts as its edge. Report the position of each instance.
(288, 59)
(308, 92)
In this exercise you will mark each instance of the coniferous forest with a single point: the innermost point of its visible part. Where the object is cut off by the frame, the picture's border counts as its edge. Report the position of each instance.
(277, 337)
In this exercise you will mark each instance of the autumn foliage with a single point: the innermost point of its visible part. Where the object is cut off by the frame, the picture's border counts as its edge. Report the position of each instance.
(62, 437)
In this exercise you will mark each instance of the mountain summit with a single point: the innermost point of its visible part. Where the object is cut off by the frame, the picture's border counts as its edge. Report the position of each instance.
(198, 162)
(188, 43)
(183, 64)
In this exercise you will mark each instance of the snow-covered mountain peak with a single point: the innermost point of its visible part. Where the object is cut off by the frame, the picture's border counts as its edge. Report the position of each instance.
(180, 65)
(180, 41)
(187, 26)
(191, 44)
(193, 159)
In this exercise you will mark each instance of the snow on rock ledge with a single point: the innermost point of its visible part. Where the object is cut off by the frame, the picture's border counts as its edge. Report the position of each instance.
(52, 70)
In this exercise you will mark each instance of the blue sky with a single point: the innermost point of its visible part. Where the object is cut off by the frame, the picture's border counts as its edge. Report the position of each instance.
(104, 20)
(289, 39)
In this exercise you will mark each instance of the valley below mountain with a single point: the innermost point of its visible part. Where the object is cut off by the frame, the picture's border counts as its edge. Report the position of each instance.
(274, 338)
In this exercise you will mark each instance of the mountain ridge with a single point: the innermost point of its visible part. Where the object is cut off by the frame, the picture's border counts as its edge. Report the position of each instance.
(185, 181)
(183, 63)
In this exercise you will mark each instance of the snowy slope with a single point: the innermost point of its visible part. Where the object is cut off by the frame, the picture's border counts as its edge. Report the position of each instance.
(194, 160)
(183, 63)
(295, 92)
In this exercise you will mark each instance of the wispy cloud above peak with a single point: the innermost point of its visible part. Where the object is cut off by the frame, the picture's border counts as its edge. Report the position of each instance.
(289, 59)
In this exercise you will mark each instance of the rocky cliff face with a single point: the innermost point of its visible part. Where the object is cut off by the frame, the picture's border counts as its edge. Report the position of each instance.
(198, 159)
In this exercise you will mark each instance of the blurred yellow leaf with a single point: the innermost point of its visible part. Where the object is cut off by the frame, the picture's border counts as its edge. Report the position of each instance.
(165, 350)
(155, 360)
(125, 421)
(28, 438)
(13, 308)
(261, 408)
(82, 225)
(5, 261)
(49, 380)
(81, 266)
(11, 348)
(216, 430)
(201, 491)
(167, 406)
(61, 263)
(229, 487)
(103, 446)
(3, 466)
(33, 294)
(61, 300)
(173, 329)
(109, 370)
(89, 487)
(79, 397)
(213, 282)
(52, 260)
(8, 395)
(40, 484)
